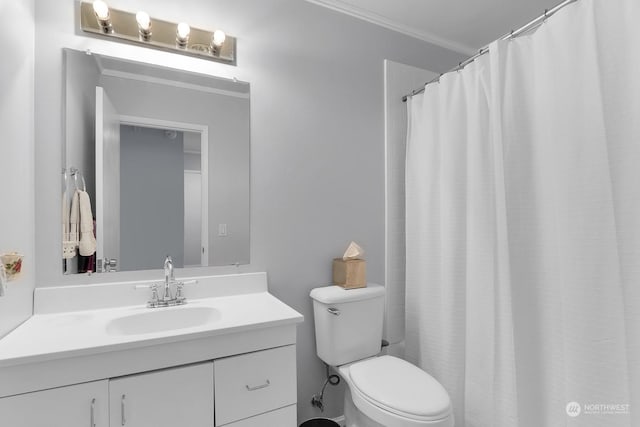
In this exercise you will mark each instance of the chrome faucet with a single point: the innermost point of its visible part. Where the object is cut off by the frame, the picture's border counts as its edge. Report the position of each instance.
(168, 278)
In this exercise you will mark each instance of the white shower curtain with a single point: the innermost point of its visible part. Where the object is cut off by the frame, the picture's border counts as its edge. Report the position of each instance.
(523, 226)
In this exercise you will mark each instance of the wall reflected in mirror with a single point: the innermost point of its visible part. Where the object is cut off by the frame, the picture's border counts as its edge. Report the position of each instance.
(165, 156)
(160, 189)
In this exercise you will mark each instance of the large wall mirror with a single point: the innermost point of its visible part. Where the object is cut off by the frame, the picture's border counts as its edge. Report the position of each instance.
(164, 158)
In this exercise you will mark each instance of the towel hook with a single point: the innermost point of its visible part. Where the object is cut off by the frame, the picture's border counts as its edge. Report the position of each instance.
(75, 172)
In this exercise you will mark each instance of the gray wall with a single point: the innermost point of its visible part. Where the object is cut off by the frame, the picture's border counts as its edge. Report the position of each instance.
(192, 199)
(317, 139)
(400, 79)
(81, 79)
(151, 198)
(16, 156)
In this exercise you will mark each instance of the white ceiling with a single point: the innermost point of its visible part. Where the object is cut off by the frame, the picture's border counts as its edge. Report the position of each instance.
(460, 25)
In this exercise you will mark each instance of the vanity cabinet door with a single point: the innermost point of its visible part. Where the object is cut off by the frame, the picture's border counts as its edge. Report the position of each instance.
(80, 405)
(169, 398)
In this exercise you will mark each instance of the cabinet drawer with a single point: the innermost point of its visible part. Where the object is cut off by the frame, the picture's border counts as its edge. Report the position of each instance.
(254, 383)
(284, 417)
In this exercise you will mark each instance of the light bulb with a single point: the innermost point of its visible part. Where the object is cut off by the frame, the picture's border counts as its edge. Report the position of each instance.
(101, 10)
(183, 30)
(218, 38)
(144, 21)
(182, 35)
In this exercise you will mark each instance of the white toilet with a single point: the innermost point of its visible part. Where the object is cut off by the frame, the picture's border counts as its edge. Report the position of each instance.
(383, 391)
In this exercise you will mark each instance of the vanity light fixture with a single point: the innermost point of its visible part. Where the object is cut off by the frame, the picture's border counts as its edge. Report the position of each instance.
(98, 19)
(182, 35)
(144, 25)
(101, 10)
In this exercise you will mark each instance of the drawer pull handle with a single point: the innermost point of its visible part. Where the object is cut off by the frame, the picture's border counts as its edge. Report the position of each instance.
(122, 408)
(258, 387)
(93, 411)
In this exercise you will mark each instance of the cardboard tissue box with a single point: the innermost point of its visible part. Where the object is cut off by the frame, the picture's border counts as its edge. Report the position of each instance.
(350, 271)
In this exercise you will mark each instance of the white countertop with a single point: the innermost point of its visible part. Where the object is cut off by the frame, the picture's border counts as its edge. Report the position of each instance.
(56, 335)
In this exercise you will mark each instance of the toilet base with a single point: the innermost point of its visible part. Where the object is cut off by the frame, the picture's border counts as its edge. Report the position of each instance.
(353, 417)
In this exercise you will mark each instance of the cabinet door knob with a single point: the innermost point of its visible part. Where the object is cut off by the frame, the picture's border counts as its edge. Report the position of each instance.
(93, 412)
(122, 408)
(258, 387)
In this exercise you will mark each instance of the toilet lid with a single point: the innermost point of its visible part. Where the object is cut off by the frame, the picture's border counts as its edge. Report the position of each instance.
(400, 387)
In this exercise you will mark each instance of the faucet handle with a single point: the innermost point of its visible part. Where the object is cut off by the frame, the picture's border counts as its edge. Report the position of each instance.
(154, 301)
(180, 299)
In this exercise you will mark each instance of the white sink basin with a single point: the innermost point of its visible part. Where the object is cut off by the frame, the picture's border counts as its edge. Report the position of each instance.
(162, 319)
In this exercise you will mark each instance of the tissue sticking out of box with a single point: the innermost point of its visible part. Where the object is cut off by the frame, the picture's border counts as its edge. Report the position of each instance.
(350, 271)
(354, 251)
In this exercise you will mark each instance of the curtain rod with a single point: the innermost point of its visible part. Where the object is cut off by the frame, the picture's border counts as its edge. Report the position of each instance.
(525, 28)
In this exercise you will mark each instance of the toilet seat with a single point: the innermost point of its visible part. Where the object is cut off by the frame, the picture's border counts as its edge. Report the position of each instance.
(395, 392)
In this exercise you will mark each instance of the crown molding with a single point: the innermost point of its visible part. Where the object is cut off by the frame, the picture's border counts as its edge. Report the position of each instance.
(374, 18)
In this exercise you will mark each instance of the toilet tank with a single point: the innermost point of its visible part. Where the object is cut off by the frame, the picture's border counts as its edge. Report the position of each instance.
(348, 322)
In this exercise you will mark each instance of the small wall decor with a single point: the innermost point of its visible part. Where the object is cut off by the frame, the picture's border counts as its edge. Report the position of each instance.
(12, 265)
(3, 281)
(139, 28)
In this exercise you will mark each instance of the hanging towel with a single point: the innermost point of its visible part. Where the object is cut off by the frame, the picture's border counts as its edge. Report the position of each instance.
(69, 246)
(74, 218)
(65, 217)
(87, 238)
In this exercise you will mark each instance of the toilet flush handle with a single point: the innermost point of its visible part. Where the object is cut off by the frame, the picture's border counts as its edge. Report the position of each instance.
(333, 311)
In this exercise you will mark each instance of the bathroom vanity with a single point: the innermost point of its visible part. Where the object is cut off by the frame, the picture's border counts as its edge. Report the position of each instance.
(97, 356)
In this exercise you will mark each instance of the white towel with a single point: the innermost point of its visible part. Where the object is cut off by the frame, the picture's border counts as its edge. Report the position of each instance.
(71, 233)
(87, 238)
(74, 218)
(65, 217)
